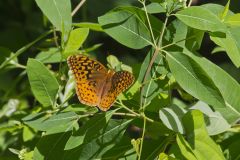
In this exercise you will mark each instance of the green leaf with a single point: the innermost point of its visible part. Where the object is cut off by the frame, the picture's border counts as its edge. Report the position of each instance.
(228, 87)
(200, 143)
(185, 148)
(230, 146)
(69, 90)
(155, 8)
(52, 55)
(215, 123)
(172, 118)
(217, 50)
(28, 133)
(60, 122)
(51, 146)
(43, 84)
(92, 26)
(131, 23)
(201, 18)
(5, 52)
(192, 78)
(233, 20)
(58, 12)
(152, 148)
(231, 43)
(103, 140)
(114, 63)
(225, 11)
(75, 41)
(157, 129)
(89, 130)
(216, 9)
(120, 149)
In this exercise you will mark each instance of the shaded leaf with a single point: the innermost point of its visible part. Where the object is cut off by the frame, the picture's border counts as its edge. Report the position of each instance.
(103, 141)
(89, 130)
(51, 147)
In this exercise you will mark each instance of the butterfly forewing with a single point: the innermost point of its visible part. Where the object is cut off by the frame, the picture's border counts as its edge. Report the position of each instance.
(120, 81)
(90, 76)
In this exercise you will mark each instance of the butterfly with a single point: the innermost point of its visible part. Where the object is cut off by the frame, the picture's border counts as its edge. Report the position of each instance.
(95, 84)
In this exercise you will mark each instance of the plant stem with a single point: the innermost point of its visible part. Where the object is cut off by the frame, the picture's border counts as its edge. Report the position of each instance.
(190, 3)
(55, 38)
(143, 134)
(135, 113)
(157, 49)
(163, 31)
(149, 23)
(77, 7)
(24, 48)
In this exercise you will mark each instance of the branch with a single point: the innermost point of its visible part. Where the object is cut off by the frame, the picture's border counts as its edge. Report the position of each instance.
(77, 7)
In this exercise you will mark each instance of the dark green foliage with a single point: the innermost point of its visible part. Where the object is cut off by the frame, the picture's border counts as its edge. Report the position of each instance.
(184, 104)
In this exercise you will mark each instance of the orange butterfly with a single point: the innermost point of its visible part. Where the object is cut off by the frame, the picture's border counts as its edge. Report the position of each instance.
(95, 85)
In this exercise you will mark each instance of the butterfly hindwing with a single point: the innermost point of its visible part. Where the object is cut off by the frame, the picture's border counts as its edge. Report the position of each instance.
(120, 81)
(89, 75)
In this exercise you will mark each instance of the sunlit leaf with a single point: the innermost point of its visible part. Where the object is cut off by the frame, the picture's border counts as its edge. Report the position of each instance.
(43, 84)
(200, 18)
(59, 14)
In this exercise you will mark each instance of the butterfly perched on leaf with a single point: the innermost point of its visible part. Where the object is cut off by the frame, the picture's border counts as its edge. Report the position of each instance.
(95, 84)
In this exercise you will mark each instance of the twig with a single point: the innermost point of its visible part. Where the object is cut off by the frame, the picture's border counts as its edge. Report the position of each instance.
(135, 113)
(77, 7)
(153, 58)
(24, 48)
(190, 3)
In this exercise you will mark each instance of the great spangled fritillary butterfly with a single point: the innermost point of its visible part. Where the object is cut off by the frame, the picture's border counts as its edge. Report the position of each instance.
(95, 85)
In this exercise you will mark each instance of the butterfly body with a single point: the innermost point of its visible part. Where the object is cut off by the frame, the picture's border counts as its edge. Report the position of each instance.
(95, 85)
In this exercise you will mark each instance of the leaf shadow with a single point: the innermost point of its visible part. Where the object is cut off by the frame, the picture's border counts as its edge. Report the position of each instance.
(96, 145)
